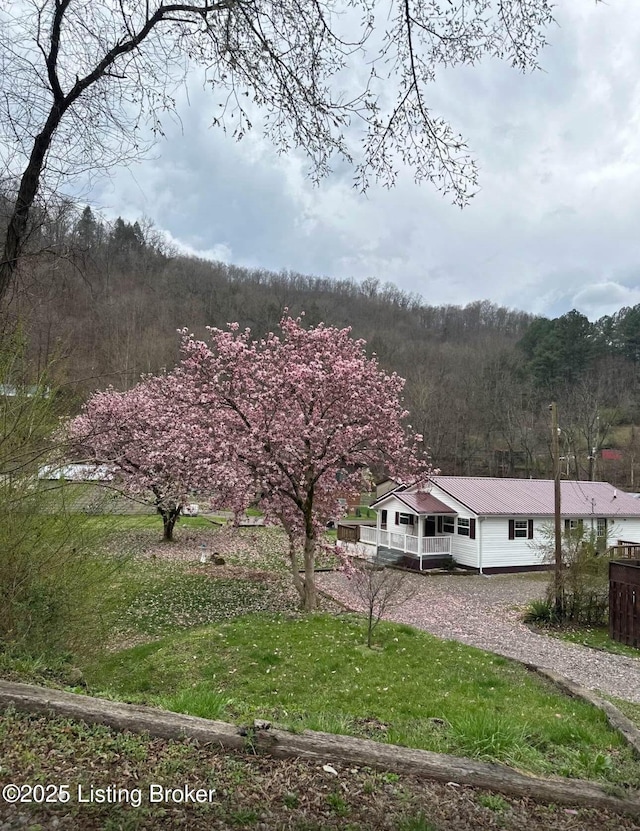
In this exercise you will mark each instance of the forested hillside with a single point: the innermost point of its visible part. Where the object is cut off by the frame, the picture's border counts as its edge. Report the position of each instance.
(104, 300)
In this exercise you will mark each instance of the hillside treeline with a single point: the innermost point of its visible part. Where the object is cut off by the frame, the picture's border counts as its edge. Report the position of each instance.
(104, 300)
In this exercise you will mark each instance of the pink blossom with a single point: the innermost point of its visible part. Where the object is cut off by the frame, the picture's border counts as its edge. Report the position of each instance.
(305, 414)
(150, 434)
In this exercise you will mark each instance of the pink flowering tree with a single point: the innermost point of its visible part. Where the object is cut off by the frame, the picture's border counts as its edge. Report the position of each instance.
(148, 433)
(305, 412)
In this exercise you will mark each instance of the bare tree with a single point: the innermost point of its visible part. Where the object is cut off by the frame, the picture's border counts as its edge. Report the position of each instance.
(380, 589)
(591, 406)
(79, 77)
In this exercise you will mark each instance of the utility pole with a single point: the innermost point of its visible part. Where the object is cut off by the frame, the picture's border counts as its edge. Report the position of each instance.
(594, 451)
(558, 575)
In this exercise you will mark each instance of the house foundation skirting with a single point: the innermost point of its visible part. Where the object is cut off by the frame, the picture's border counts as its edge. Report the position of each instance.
(513, 569)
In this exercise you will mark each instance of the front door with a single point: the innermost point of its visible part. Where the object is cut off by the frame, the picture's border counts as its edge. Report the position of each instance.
(430, 526)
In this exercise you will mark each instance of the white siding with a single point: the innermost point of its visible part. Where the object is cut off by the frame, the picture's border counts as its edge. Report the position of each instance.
(623, 529)
(498, 551)
(492, 547)
(463, 549)
(393, 506)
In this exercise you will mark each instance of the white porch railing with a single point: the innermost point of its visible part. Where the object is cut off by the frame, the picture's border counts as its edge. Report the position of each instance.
(405, 542)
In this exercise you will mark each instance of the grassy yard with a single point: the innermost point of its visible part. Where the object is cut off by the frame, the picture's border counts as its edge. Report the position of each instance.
(227, 641)
(254, 547)
(148, 521)
(631, 710)
(597, 637)
(178, 597)
(314, 672)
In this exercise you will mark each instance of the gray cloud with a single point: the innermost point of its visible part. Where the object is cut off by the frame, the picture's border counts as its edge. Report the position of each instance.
(552, 227)
(606, 298)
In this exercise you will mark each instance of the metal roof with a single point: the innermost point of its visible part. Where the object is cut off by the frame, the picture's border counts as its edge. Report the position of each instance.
(423, 503)
(534, 497)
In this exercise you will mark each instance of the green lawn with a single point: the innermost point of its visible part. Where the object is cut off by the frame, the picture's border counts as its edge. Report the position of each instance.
(176, 598)
(597, 637)
(362, 512)
(631, 710)
(416, 690)
(229, 642)
(251, 792)
(148, 521)
(159, 596)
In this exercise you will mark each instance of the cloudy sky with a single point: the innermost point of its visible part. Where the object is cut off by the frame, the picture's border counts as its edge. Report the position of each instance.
(553, 227)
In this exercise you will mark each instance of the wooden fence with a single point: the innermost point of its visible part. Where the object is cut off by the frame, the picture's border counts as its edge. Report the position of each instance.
(624, 602)
(624, 550)
(349, 533)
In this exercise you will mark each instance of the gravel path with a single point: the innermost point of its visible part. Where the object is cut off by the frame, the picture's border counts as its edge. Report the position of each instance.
(484, 611)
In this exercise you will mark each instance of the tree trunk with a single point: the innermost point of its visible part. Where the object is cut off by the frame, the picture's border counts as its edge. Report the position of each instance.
(370, 627)
(310, 603)
(169, 519)
(16, 233)
(298, 582)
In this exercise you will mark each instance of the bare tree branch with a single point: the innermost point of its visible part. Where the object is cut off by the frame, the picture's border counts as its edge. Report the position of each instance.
(80, 78)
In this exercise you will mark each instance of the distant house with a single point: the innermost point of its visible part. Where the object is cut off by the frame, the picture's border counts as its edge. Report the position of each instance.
(13, 391)
(491, 524)
(611, 455)
(73, 472)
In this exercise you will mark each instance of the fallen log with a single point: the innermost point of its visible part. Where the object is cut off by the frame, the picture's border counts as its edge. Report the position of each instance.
(312, 746)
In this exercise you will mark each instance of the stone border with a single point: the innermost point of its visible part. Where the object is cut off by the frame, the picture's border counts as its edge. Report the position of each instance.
(312, 746)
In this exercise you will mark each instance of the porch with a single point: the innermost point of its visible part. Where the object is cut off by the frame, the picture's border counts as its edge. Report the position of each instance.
(407, 543)
(394, 547)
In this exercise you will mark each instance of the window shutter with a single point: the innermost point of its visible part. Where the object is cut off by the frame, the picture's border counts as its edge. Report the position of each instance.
(397, 517)
(440, 525)
(530, 529)
(512, 529)
(472, 529)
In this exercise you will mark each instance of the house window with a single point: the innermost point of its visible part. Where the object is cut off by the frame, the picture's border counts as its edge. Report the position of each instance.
(383, 519)
(463, 527)
(448, 525)
(404, 519)
(601, 527)
(520, 529)
(573, 526)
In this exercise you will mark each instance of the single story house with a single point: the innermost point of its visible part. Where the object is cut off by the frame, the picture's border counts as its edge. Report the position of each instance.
(491, 524)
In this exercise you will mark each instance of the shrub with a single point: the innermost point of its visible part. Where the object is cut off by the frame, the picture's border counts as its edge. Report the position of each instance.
(540, 611)
(584, 579)
(51, 580)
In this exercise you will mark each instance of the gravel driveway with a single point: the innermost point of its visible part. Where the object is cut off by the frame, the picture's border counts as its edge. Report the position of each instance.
(484, 611)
